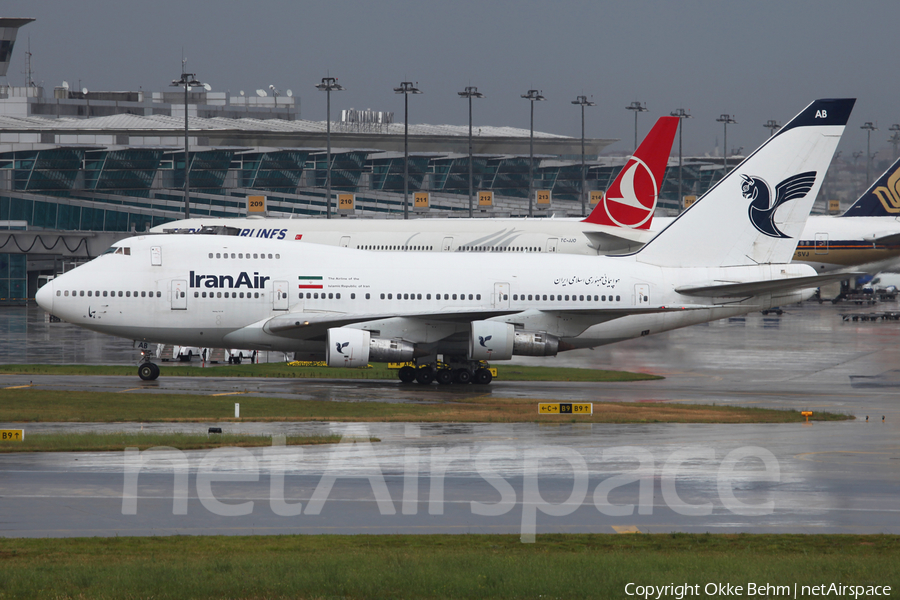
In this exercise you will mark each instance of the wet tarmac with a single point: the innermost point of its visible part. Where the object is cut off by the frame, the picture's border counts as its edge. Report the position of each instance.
(823, 477)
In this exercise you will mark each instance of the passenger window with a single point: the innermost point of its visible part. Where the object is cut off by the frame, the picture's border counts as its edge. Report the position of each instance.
(90, 293)
(454, 296)
(128, 294)
(470, 296)
(331, 296)
(618, 298)
(390, 297)
(159, 294)
(196, 294)
(182, 294)
(428, 296)
(256, 295)
(210, 254)
(352, 296)
(203, 295)
(218, 255)
(218, 294)
(581, 298)
(405, 296)
(382, 296)
(241, 295)
(316, 296)
(226, 294)
(367, 296)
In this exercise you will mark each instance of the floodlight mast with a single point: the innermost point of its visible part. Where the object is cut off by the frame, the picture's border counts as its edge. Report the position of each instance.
(772, 125)
(187, 81)
(895, 138)
(725, 119)
(583, 101)
(406, 88)
(637, 107)
(532, 96)
(869, 127)
(328, 85)
(470, 92)
(682, 115)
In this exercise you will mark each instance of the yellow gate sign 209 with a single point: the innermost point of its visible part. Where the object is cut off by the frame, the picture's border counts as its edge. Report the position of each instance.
(565, 408)
(12, 435)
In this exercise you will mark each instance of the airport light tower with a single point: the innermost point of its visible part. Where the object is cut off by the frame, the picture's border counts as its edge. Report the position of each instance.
(869, 127)
(532, 96)
(772, 125)
(895, 138)
(328, 85)
(470, 92)
(583, 101)
(187, 81)
(406, 88)
(725, 119)
(682, 115)
(637, 107)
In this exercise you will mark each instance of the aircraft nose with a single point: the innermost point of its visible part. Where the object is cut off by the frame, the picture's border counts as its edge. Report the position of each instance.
(44, 297)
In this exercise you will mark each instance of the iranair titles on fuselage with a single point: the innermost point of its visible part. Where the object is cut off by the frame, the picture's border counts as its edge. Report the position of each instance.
(459, 310)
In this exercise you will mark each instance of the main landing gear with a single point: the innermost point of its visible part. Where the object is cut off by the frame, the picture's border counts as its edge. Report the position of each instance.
(477, 372)
(148, 371)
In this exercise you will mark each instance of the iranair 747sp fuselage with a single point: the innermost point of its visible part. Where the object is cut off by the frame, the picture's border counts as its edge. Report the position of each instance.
(354, 306)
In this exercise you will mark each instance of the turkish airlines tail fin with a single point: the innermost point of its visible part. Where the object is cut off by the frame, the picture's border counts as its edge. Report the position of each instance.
(882, 199)
(631, 199)
(756, 213)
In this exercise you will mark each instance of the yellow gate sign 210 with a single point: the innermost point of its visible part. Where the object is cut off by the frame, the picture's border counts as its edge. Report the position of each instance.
(565, 408)
(12, 435)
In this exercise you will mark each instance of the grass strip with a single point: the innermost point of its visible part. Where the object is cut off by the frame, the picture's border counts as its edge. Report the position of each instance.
(116, 441)
(36, 405)
(505, 372)
(435, 566)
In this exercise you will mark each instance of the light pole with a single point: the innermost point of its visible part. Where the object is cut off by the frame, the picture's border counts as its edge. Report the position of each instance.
(682, 115)
(583, 101)
(187, 80)
(895, 139)
(772, 125)
(406, 88)
(328, 85)
(725, 120)
(637, 107)
(470, 92)
(869, 127)
(532, 96)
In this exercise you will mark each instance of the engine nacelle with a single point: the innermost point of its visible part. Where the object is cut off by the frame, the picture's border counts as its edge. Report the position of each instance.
(491, 340)
(347, 347)
(535, 344)
(387, 350)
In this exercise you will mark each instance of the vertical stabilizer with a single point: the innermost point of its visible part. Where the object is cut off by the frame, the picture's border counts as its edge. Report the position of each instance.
(631, 199)
(756, 213)
(882, 199)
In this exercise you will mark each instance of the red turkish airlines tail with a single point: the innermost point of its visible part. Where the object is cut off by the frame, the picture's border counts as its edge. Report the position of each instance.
(631, 199)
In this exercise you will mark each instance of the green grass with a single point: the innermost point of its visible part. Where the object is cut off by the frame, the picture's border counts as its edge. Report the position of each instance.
(37, 405)
(115, 441)
(432, 566)
(505, 372)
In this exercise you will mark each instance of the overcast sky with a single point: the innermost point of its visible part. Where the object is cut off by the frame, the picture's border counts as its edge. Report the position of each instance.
(756, 60)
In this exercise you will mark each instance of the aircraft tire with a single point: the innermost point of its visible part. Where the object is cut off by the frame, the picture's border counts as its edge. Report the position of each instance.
(407, 374)
(482, 376)
(425, 375)
(237, 360)
(444, 376)
(148, 371)
(462, 376)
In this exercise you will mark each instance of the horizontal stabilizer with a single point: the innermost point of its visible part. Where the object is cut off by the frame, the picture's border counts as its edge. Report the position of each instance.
(766, 286)
(621, 240)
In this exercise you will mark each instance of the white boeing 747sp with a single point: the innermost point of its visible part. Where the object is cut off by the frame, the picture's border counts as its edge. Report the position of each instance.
(726, 255)
(619, 223)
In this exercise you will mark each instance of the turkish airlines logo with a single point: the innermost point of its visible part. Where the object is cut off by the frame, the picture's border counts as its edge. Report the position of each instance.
(632, 204)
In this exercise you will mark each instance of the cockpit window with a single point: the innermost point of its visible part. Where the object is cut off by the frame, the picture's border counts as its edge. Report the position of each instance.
(118, 250)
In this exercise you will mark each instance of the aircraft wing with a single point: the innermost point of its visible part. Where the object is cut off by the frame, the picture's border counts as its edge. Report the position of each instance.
(886, 239)
(310, 325)
(722, 289)
(618, 238)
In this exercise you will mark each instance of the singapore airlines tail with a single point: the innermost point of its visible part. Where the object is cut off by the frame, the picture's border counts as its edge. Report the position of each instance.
(756, 213)
(882, 199)
(631, 199)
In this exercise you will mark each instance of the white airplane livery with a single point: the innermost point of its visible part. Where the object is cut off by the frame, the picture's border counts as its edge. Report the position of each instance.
(619, 223)
(350, 307)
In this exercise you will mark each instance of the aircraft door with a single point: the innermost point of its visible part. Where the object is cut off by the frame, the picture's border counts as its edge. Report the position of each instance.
(280, 299)
(155, 256)
(345, 241)
(822, 243)
(501, 295)
(551, 244)
(447, 245)
(179, 294)
(641, 294)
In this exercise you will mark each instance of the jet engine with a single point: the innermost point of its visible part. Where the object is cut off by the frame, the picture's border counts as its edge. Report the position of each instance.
(535, 344)
(349, 347)
(491, 340)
